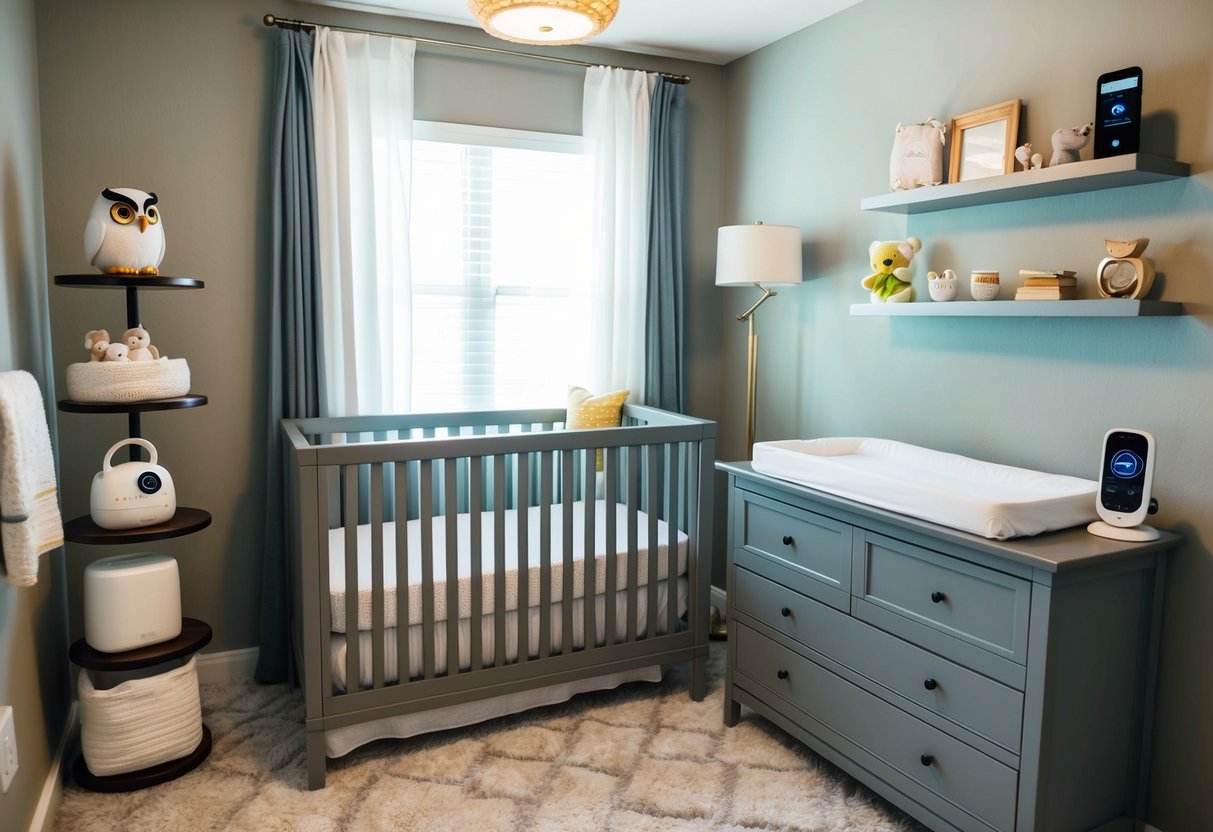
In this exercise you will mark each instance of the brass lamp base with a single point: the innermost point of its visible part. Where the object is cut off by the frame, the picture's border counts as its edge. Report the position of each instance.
(717, 627)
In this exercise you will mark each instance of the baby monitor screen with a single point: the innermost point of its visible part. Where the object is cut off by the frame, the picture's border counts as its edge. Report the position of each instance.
(1124, 474)
(1118, 113)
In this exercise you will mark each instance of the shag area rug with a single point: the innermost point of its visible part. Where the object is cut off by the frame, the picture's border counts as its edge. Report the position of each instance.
(640, 757)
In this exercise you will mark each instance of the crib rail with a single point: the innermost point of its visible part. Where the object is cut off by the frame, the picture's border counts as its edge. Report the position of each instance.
(502, 481)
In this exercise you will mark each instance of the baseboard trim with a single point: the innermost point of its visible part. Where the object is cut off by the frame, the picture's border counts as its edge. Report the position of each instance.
(227, 665)
(1149, 828)
(52, 790)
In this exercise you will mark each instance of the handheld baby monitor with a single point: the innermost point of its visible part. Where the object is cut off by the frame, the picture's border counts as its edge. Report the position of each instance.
(1126, 474)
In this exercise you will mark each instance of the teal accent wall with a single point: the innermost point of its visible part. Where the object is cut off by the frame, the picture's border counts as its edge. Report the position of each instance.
(810, 123)
(34, 676)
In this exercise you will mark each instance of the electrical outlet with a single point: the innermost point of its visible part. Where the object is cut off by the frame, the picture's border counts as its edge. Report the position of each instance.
(8, 748)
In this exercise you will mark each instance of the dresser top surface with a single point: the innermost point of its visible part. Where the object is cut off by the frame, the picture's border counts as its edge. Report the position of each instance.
(1053, 551)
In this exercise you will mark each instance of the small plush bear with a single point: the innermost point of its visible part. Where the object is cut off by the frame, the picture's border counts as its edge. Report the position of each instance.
(1068, 141)
(96, 342)
(116, 352)
(139, 342)
(890, 283)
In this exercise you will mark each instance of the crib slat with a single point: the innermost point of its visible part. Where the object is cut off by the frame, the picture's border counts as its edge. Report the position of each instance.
(567, 485)
(589, 505)
(673, 466)
(499, 605)
(653, 501)
(633, 475)
(352, 678)
(402, 573)
(377, 589)
(522, 470)
(610, 459)
(545, 555)
(450, 502)
(426, 519)
(476, 622)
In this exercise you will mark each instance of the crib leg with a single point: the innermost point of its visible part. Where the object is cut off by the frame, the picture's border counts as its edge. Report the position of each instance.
(699, 676)
(316, 761)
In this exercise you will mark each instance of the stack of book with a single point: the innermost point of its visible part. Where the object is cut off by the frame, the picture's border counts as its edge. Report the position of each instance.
(1047, 284)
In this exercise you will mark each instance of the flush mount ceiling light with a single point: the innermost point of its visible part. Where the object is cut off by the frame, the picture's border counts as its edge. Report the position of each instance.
(547, 22)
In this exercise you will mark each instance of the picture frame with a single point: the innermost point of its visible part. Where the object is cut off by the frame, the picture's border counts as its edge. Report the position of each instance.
(984, 141)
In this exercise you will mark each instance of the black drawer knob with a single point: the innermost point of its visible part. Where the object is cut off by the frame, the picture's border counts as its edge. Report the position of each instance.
(787, 540)
(927, 759)
(785, 612)
(938, 597)
(930, 684)
(782, 674)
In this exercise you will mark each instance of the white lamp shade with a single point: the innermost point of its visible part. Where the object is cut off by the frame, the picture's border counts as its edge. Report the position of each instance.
(748, 254)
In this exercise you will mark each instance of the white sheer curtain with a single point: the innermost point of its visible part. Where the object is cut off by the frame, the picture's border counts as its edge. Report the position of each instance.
(363, 127)
(615, 123)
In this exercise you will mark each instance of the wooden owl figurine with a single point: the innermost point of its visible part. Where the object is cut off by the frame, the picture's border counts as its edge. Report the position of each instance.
(124, 233)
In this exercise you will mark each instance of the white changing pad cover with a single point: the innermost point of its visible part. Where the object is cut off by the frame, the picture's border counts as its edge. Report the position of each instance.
(984, 498)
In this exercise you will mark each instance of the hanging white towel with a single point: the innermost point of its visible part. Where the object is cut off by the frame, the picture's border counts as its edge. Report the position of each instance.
(30, 522)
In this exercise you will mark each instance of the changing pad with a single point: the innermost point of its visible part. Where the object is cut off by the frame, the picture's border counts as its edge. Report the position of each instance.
(995, 501)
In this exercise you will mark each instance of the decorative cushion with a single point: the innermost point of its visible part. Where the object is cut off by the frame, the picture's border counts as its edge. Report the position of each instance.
(586, 410)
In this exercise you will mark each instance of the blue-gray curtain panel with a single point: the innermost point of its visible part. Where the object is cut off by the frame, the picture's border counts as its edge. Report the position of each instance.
(294, 374)
(664, 317)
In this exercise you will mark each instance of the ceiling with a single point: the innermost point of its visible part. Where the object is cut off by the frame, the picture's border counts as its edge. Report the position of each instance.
(711, 31)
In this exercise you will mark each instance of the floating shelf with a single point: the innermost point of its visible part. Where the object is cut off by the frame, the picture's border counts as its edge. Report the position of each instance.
(1076, 177)
(1104, 308)
(185, 521)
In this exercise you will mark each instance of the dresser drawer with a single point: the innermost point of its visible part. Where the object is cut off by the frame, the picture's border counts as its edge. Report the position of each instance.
(941, 763)
(793, 546)
(972, 701)
(981, 606)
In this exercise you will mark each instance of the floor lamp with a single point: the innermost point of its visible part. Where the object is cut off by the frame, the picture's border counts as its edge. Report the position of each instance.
(754, 255)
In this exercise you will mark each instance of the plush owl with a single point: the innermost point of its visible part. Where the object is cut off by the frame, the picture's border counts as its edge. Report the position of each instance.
(124, 234)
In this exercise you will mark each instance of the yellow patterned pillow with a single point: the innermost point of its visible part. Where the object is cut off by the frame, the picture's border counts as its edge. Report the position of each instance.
(589, 411)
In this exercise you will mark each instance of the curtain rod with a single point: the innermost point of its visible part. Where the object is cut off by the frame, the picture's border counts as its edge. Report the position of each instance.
(290, 23)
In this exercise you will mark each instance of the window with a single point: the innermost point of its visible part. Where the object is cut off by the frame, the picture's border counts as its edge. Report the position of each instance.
(500, 242)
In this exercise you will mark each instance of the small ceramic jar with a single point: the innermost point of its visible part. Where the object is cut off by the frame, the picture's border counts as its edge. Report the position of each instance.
(942, 286)
(984, 285)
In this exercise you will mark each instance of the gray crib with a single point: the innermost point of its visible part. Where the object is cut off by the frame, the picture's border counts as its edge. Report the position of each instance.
(501, 561)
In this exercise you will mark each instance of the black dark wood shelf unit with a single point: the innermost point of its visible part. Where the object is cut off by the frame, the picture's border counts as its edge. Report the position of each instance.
(176, 403)
(127, 281)
(184, 521)
(142, 779)
(195, 635)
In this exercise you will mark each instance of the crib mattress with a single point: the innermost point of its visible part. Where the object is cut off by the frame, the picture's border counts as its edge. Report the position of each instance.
(984, 498)
(391, 669)
(337, 581)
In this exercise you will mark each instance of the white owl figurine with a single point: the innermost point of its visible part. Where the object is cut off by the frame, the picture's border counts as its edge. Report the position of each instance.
(124, 233)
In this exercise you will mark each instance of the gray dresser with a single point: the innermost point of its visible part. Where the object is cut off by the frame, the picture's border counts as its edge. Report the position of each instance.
(977, 684)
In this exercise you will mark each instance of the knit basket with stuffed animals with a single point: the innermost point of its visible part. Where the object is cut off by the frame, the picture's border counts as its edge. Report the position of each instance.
(128, 381)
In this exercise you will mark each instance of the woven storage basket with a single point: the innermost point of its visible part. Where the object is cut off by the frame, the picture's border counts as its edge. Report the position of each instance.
(141, 722)
(128, 381)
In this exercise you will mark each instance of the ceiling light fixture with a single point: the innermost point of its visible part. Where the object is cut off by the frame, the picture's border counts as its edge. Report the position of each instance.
(545, 22)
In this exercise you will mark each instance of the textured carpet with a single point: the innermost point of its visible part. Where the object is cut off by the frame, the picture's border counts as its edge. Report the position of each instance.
(641, 757)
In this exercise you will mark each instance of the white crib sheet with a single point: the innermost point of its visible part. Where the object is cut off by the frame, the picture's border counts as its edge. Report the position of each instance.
(534, 528)
(985, 498)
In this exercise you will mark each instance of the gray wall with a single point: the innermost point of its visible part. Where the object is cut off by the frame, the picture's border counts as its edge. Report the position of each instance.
(810, 127)
(33, 620)
(171, 97)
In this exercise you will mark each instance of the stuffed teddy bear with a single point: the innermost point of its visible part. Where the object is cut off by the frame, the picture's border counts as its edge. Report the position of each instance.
(96, 341)
(139, 342)
(890, 283)
(1068, 141)
(116, 352)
